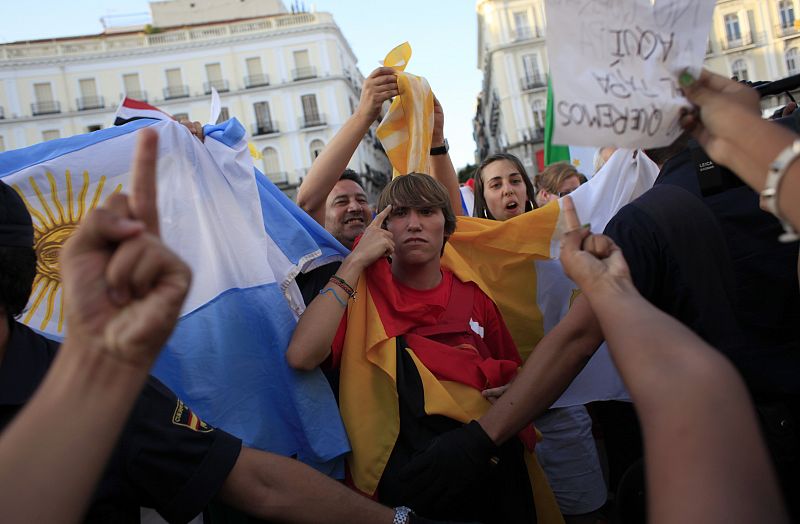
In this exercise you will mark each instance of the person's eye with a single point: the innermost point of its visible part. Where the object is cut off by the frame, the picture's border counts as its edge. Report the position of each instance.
(426, 211)
(494, 186)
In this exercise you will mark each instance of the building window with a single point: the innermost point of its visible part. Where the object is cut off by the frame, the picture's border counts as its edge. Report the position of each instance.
(89, 98)
(43, 92)
(311, 114)
(302, 66)
(95, 127)
(255, 75)
(2, 144)
(732, 29)
(315, 148)
(786, 12)
(538, 109)
(215, 80)
(133, 87)
(792, 61)
(522, 29)
(739, 70)
(175, 87)
(50, 134)
(532, 77)
(264, 124)
(272, 165)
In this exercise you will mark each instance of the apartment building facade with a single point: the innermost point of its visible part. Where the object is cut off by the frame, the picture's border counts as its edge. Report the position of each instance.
(290, 78)
(749, 39)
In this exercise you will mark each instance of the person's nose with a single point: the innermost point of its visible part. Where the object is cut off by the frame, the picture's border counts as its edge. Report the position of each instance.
(353, 206)
(414, 223)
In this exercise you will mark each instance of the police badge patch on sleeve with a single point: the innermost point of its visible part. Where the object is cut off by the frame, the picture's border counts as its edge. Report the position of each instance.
(184, 416)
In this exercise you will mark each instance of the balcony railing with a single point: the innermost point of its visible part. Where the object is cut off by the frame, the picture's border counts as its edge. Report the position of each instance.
(46, 108)
(532, 82)
(107, 44)
(256, 81)
(302, 73)
(220, 85)
(176, 92)
(787, 30)
(90, 102)
(313, 120)
(743, 41)
(279, 178)
(265, 127)
(524, 33)
(137, 95)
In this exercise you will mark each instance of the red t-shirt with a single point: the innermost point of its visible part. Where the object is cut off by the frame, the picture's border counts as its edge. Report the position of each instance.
(485, 320)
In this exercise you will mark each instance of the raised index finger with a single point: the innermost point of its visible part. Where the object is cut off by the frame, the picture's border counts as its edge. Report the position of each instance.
(144, 201)
(571, 220)
(380, 218)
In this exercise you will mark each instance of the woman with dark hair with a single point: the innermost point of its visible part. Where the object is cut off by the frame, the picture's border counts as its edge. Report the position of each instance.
(502, 188)
(567, 453)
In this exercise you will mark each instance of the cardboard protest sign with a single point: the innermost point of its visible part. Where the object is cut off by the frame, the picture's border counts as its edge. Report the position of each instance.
(614, 65)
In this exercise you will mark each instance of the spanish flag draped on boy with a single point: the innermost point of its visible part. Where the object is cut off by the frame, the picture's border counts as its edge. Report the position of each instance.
(369, 365)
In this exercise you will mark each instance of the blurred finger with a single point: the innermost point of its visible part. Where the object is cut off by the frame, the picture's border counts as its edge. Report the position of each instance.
(120, 267)
(571, 221)
(600, 246)
(380, 218)
(573, 240)
(385, 80)
(148, 268)
(100, 228)
(117, 203)
(382, 71)
(144, 201)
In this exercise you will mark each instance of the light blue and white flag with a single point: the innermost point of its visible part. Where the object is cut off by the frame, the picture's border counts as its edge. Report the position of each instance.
(245, 244)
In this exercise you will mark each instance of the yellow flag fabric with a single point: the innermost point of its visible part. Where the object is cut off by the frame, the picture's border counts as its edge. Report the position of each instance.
(499, 257)
(406, 130)
(368, 402)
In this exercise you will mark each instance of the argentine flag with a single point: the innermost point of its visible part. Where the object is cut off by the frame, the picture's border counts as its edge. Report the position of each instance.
(245, 242)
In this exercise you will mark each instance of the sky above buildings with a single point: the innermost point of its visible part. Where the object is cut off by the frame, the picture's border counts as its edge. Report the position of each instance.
(442, 33)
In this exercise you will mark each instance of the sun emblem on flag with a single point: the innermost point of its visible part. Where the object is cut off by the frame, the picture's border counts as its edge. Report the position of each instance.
(55, 218)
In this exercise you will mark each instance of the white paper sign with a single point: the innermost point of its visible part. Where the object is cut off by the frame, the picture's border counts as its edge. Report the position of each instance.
(614, 67)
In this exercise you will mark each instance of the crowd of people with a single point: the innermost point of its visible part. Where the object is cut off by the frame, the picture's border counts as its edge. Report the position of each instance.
(692, 287)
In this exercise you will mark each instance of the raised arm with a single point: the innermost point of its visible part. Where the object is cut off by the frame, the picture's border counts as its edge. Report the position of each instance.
(732, 132)
(312, 338)
(689, 398)
(379, 86)
(441, 165)
(123, 290)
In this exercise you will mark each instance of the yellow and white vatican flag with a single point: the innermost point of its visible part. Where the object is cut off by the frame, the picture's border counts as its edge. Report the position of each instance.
(511, 260)
(406, 130)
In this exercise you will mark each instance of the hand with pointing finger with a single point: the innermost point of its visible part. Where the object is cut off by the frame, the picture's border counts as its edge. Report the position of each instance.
(123, 288)
(375, 243)
(589, 259)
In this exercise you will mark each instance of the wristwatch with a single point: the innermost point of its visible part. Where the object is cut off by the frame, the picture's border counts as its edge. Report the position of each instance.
(441, 150)
(401, 514)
